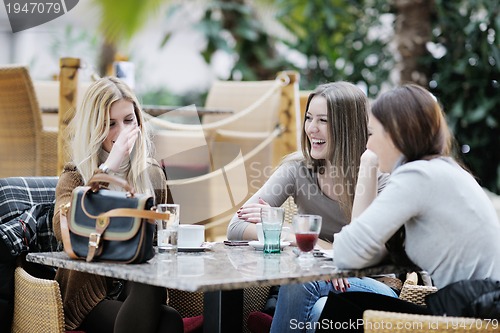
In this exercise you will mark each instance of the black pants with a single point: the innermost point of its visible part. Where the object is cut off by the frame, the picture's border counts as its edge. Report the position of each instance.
(7, 267)
(343, 312)
(142, 310)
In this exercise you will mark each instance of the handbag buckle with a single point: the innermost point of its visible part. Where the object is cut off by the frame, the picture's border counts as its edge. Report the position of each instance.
(65, 208)
(94, 240)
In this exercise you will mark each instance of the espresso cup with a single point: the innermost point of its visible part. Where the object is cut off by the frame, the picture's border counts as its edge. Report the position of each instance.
(190, 235)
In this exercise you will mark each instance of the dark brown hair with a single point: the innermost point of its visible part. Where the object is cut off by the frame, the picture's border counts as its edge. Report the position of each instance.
(415, 122)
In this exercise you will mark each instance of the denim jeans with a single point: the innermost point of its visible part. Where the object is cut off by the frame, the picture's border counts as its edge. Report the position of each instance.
(299, 306)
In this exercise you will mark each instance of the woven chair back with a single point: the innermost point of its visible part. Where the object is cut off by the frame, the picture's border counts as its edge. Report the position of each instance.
(37, 305)
(20, 123)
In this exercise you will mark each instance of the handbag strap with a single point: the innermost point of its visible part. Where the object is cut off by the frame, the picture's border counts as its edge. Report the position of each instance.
(63, 220)
(148, 215)
(124, 212)
(106, 178)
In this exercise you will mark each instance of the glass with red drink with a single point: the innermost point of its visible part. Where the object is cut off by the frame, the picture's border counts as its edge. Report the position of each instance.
(306, 228)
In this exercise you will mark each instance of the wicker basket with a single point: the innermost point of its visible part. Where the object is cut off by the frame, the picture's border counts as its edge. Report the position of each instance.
(415, 293)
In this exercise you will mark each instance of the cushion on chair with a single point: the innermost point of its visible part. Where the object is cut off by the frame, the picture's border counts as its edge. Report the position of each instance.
(26, 209)
(259, 322)
(193, 324)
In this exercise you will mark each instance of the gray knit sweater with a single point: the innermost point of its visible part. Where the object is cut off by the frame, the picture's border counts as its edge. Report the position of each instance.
(452, 230)
(294, 179)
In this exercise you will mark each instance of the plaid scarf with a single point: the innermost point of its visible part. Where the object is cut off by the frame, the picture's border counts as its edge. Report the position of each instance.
(26, 211)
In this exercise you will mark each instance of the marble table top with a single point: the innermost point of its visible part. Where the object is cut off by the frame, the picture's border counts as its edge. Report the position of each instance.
(220, 268)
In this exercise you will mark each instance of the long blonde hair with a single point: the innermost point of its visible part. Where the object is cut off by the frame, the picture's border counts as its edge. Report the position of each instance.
(90, 127)
(347, 114)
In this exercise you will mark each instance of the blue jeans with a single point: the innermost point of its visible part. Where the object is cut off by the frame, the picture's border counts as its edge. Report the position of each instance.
(299, 306)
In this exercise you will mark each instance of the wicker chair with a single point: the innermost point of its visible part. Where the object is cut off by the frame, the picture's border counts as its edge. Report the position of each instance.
(26, 148)
(37, 305)
(383, 321)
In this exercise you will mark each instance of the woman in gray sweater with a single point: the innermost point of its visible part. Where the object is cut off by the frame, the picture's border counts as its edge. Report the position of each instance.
(321, 179)
(452, 230)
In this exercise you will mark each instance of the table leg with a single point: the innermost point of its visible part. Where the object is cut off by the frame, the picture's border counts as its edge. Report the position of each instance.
(223, 311)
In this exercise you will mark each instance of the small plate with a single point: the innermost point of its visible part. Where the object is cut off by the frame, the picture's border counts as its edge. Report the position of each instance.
(203, 247)
(260, 246)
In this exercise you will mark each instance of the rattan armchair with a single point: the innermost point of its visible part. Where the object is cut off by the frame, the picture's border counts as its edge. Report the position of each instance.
(383, 321)
(37, 305)
(26, 148)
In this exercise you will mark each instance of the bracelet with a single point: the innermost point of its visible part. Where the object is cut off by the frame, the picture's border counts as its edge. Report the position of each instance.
(104, 168)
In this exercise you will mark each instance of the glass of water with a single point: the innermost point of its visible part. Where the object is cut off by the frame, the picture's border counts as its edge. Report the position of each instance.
(167, 230)
(272, 220)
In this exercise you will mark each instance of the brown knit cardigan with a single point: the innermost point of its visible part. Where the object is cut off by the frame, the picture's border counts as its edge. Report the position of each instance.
(81, 292)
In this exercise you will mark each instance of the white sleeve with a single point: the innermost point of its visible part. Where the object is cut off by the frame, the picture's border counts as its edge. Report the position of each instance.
(362, 243)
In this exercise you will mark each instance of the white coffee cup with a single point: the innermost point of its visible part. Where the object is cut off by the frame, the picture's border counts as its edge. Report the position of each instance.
(191, 235)
(286, 234)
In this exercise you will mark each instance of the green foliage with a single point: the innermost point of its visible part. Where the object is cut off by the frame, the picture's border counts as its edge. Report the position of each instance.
(165, 97)
(233, 27)
(467, 81)
(121, 20)
(334, 36)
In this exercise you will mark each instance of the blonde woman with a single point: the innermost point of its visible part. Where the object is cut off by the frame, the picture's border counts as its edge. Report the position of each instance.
(108, 135)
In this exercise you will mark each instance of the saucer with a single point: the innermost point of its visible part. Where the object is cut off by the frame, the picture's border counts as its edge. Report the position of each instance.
(203, 247)
(260, 246)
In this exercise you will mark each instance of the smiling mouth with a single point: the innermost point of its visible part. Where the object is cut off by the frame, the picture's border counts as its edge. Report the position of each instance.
(317, 143)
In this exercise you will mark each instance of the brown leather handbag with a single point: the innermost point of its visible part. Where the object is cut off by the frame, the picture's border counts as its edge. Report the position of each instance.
(105, 225)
